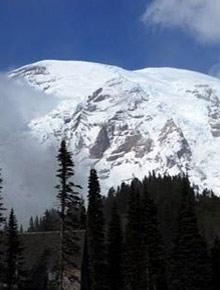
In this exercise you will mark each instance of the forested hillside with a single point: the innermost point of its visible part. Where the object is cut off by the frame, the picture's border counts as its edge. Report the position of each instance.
(156, 233)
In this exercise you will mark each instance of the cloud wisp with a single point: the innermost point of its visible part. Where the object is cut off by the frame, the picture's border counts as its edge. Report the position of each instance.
(198, 17)
(28, 169)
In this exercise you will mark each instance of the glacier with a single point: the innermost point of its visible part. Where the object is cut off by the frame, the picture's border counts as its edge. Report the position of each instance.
(128, 123)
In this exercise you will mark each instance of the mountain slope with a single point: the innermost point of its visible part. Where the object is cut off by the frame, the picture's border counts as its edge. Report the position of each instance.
(127, 123)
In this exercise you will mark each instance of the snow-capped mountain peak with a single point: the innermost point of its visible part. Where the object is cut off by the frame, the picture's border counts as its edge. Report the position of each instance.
(127, 123)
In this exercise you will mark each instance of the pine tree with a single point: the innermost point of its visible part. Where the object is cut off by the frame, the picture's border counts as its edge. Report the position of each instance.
(135, 263)
(36, 224)
(115, 251)
(191, 270)
(216, 264)
(15, 272)
(31, 227)
(96, 234)
(46, 221)
(49, 222)
(69, 202)
(2, 223)
(155, 259)
(82, 214)
(85, 275)
(39, 272)
(2, 209)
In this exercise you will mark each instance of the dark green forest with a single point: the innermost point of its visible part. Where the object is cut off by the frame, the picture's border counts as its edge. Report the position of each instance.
(159, 233)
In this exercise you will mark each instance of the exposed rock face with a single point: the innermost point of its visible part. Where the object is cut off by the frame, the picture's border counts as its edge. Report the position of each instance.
(214, 116)
(178, 153)
(127, 123)
(101, 144)
(206, 93)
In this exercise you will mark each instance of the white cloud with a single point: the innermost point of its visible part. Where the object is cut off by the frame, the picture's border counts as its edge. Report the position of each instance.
(28, 169)
(199, 17)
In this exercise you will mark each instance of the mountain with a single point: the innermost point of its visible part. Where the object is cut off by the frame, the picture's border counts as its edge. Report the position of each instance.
(127, 123)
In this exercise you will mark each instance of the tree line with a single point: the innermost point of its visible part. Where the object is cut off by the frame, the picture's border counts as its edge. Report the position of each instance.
(154, 234)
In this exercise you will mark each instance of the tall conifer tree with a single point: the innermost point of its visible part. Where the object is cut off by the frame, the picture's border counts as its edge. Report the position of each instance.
(36, 223)
(16, 276)
(69, 203)
(82, 214)
(216, 264)
(155, 259)
(31, 225)
(85, 273)
(115, 250)
(2, 221)
(191, 269)
(2, 209)
(135, 255)
(96, 234)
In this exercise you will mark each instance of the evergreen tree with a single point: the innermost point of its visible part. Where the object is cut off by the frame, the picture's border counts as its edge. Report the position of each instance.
(69, 203)
(39, 272)
(155, 259)
(2, 209)
(36, 223)
(2, 223)
(191, 269)
(15, 277)
(46, 221)
(85, 275)
(31, 225)
(82, 215)
(135, 259)
(216, 264)
(115, 251)
(96, 234)
(50, 221)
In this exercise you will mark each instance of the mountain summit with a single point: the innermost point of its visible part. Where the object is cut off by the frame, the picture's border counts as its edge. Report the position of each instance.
(127, 123)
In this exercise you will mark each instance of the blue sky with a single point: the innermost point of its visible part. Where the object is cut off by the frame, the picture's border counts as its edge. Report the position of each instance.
(109, 31)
